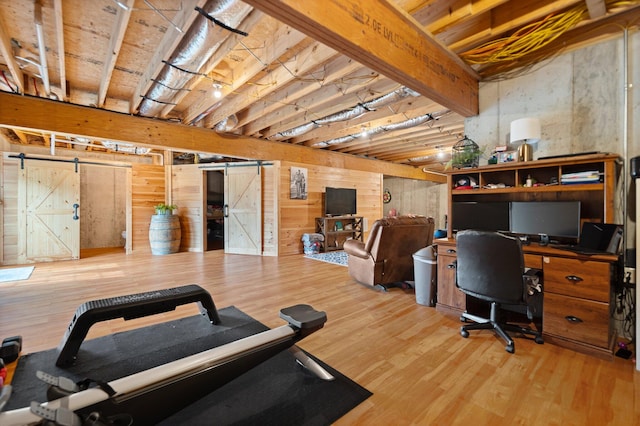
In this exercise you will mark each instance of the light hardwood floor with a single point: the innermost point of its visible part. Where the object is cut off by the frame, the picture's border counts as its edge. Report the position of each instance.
(413, 359)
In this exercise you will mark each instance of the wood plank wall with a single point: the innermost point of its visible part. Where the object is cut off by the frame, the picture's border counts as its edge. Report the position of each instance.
(147, 190)
(297, 217)
(270, 203)
(103, 211)
(285, 220)
(187, 192)
(10, 169)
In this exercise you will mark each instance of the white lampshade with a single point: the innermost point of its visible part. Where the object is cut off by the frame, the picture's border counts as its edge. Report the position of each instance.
(525, 129)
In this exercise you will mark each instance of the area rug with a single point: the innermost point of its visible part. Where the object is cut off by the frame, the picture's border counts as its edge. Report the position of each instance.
(15, 274)
(336, 257)
(278, 391)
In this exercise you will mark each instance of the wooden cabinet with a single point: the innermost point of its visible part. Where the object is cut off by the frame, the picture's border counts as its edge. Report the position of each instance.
(578, 303)
(338, 229)
(449, 297)
(578, 290)
(505, 182)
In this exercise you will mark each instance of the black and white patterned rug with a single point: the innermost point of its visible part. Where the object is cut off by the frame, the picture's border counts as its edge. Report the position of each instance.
(335, 257)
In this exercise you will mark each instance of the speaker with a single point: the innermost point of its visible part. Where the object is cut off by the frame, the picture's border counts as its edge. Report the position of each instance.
(634, 167)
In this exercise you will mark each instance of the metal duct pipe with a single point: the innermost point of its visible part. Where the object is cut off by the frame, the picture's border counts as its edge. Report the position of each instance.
(348, 114)
(44, 69)
(193, 52)
(227, 125)
(407, 124)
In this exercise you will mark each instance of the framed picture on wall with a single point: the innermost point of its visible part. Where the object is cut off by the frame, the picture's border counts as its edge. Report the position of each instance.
(298, 183)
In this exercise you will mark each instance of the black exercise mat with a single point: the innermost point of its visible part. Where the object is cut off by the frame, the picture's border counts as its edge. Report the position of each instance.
(278, 391)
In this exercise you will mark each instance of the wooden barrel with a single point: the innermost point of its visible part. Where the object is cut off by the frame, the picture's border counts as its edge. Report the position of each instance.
(164, 233)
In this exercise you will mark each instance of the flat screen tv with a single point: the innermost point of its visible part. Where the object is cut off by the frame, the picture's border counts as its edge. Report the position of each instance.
(482, 216)
(552, 218)
(339, 201)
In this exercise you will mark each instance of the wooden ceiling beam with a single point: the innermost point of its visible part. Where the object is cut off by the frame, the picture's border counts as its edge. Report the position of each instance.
(47, 115)
(323, 74)
(597, 8)
(245, 70)
(7, 52)
(296, 103)
(62, 69)
(447, 125)
(500, 21)
(22, 136)
(231, 42)
(609, 26)
(115, 43)
(165, 49)
(333, 99)
(402, 110)
(308, 59)
(388, 40)
(442, 15)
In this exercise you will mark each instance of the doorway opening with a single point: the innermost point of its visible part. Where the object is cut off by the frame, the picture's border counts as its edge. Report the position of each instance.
(215, 209)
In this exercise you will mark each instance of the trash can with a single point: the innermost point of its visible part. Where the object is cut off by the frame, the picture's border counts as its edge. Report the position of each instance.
(424, 270)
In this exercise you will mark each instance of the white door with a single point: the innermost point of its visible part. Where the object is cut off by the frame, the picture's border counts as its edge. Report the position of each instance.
(48, 211)
(243, 209)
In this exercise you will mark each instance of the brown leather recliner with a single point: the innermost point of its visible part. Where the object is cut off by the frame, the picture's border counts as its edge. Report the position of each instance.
(387, 256)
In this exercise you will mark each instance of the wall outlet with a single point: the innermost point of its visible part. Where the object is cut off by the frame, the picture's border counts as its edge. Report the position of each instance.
(631, 272)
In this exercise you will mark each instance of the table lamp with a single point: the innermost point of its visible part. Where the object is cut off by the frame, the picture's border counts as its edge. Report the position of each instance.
(525, 130)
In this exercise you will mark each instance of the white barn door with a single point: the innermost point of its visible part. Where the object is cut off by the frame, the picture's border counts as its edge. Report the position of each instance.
(243, 209)
(48, 211)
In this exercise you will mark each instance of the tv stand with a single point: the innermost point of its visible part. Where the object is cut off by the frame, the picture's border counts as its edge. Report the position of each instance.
(338, 229)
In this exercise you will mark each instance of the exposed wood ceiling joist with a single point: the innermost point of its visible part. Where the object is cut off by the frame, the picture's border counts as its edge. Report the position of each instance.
(293, 73)
(388, 40)
(40, 114)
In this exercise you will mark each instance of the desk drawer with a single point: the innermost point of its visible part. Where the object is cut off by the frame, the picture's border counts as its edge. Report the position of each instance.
(577, 278)
(576, 319)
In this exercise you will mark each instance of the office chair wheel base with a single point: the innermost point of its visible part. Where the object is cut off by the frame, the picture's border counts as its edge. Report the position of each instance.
(464, 333)
(510, 348)
(539, 340)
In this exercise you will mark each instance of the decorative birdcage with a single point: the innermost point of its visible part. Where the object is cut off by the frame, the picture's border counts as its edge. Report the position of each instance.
(465, 153)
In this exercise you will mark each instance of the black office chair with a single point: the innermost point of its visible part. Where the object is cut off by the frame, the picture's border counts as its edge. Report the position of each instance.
(490, 267)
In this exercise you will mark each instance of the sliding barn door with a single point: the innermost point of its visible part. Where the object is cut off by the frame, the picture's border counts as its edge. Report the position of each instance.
(243, 210)
(48, 211)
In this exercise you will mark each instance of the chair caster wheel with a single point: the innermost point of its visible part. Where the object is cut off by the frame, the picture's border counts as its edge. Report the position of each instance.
(462, 318)
(539, 340)
(464, 333)
(510, 348)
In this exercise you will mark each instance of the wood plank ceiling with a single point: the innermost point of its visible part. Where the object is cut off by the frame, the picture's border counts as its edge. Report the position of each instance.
(232, 67)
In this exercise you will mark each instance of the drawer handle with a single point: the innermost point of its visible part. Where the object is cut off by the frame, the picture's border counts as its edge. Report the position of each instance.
(451, 266)
(574, 278)
(450, 251)
(573, 319)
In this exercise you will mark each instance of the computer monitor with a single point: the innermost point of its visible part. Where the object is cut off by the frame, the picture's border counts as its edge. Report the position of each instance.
(483, 216)
(551, 218)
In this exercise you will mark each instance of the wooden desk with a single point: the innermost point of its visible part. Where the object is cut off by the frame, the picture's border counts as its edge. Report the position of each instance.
(578, 295)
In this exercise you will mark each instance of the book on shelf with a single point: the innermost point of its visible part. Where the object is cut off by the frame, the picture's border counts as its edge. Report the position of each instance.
(592, 176)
